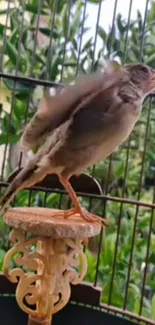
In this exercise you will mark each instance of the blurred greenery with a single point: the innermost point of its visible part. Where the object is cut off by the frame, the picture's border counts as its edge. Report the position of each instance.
(32, 54)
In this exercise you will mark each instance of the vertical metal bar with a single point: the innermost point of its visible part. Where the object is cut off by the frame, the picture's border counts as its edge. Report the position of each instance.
(40, 4)
(29, 198)
(110, 160)
(66, 39)
(45, 199)
(113, 26)
(96, 32)
(142, 170)
(143, 31)
(60, 201)
(147, 255)
(137, 210)
(81, 36)
(124, 178)
(127, 32)
(109, 52)
(50, 50)
(92, 66)
(5, 36)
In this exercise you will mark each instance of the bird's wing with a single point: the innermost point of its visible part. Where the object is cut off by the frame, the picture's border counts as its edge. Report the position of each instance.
(54, 110)
(101, 117)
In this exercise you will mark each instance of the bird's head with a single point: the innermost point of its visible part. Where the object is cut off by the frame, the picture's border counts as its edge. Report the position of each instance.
(142, 76)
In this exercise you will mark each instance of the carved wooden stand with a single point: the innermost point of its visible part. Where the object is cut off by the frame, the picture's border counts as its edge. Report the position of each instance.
(48, 262)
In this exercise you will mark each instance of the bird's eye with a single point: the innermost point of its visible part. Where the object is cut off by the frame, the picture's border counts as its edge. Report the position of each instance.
(144, 69)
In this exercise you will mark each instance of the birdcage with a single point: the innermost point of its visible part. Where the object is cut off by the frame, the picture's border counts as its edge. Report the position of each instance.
(45, 44)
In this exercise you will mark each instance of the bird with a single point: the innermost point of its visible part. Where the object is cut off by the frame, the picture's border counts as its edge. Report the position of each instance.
(80, 126)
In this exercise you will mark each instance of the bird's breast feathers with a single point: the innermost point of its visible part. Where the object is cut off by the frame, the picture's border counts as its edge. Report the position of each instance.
(115, 136)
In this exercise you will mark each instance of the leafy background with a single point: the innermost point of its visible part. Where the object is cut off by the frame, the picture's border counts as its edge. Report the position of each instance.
(43, 40)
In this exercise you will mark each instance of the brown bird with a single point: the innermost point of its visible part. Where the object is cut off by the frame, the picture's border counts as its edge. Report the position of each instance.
(82, 125)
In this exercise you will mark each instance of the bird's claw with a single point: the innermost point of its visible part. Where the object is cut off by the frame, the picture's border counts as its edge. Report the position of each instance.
(86, 215)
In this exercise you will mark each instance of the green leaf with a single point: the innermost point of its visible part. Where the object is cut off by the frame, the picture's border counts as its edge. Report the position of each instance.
(17, 86)
(86, 29)
(102, 33)
(74, 42)
(54, 67)
(41, 59)
(5, 11)
(13, 20)
(12, 52)
(135, 289)
(135, 49)
(152, 258)
(2, 28)
(65, 23)
(44, 30)
(60, 6)
(75, 22)
(140, 21)
(144, 221)
(14, 36)
(117, 296)
(2, 254)
(110, 41)
(20, 107)
(94, 1)
(53, 200)
(33, 8)
(109, 248)
(136, 306)
(120, 24)
(12, 138)
(70, 63)
(151, 60)
(87, 45)
(153, 306)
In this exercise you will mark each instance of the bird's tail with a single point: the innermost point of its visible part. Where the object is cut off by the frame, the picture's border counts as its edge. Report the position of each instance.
(27, 177)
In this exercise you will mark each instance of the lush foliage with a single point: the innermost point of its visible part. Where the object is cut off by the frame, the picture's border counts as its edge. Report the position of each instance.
(128, 177)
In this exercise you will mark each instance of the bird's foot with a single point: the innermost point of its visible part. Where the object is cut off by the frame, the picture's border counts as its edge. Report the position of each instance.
(86, 215)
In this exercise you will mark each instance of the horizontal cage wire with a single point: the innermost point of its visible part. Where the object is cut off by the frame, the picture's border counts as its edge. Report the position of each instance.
(45, 44)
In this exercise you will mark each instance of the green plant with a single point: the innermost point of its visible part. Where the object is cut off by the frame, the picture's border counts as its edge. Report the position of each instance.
(60, 60)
